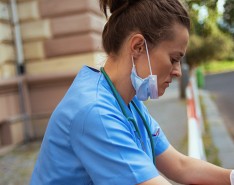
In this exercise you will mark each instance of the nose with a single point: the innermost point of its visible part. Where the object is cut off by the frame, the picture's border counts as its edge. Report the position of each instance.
(176, 70)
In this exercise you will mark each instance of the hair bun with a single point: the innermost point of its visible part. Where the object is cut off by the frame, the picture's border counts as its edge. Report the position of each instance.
(115, 5)
(132, 1)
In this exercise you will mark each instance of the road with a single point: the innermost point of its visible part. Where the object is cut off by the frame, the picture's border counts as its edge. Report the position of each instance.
(221, 87)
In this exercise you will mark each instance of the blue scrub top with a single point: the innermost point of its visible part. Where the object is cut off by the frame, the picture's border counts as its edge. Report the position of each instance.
(89, 141)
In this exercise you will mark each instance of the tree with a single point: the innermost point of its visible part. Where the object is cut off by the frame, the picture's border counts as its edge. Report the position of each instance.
(207, 40)
(227, 23)
(228, 15)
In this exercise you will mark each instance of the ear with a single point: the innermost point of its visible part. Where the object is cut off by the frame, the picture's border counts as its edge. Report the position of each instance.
(137, 44)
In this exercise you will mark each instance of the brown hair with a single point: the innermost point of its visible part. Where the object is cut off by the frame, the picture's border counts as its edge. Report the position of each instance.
(152, 18)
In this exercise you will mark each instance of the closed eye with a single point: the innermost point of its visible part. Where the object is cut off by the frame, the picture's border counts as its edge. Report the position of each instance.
(174, 61)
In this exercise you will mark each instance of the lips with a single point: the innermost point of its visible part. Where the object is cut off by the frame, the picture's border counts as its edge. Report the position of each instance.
(168, 83)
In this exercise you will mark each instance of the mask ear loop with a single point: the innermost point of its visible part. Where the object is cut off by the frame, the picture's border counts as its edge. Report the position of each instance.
(133, 61)
(133, 65)
(147, 52)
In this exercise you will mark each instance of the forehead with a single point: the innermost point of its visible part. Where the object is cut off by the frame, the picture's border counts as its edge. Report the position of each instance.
(179, 42)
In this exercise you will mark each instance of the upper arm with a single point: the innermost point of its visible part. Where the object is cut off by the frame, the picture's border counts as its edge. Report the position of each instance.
(106, 146)
(160, 140)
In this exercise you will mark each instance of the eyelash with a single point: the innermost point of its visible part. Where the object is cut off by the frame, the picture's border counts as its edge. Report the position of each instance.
(174, 61)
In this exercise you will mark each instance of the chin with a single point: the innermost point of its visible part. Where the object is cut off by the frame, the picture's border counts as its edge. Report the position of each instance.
(160, 93)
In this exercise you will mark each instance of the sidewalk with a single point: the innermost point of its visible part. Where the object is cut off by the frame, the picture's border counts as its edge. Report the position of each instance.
(16, 166)
(220, 136)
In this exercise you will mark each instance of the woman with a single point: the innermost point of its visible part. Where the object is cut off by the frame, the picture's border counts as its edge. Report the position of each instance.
(101, 133)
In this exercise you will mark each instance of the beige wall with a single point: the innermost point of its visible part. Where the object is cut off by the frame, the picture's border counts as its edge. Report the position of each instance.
(59, 37)
(59, 32)
(52, 31)
(7, 53)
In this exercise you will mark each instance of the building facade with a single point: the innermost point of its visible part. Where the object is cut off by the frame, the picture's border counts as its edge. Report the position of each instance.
(43, 44)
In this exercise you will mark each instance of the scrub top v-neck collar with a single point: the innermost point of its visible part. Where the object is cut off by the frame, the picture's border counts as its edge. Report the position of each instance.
(125, 106)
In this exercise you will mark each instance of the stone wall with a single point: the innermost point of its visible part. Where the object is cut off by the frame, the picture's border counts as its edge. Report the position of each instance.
(58, 38)
(63, 34)
(7, 55)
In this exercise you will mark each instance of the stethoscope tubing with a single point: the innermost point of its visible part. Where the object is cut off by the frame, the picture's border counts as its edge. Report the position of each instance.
(117, 97)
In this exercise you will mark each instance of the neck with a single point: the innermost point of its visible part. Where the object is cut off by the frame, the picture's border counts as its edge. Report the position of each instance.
(119, 72)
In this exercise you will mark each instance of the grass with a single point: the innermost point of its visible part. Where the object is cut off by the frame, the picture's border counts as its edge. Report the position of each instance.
(210, 149)
(218, 66)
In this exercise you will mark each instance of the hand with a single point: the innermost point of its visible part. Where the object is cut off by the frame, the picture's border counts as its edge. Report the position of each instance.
(232, 177)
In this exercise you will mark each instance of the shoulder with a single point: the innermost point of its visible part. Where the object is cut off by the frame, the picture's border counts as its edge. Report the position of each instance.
(87, 90)
(103, 113)
(88, 95)
(92, 101)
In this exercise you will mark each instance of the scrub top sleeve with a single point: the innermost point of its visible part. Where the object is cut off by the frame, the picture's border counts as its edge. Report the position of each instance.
(102, 140)
(161, 142)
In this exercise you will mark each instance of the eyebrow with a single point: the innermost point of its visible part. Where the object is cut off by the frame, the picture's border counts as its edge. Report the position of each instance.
(179, 54)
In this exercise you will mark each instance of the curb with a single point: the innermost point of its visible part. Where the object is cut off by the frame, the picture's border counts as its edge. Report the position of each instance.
(195, 121)
(220, 136)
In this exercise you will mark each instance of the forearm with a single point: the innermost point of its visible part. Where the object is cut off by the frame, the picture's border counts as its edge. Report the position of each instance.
(187, 170)
(202, 173)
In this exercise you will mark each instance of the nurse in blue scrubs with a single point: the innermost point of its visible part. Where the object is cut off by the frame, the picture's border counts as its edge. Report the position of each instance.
(101, 133)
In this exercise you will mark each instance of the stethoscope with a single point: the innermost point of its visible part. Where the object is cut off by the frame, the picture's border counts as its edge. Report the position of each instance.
(118, 98)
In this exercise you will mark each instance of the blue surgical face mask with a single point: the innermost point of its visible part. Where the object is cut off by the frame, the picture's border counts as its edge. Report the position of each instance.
(146, 87)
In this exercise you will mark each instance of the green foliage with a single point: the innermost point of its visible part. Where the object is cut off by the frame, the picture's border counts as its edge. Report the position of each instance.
(209, 3)
(207, 40)
(212, 47)
(193, 55)
(218, 66)
(228, 14)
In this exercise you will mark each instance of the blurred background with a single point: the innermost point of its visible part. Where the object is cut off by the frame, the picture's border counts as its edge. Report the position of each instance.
(44, 43)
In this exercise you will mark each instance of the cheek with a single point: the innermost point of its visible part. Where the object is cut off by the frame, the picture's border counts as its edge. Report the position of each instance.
(163, 66)
(163, 75)
(142, 66)
(164, 71)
